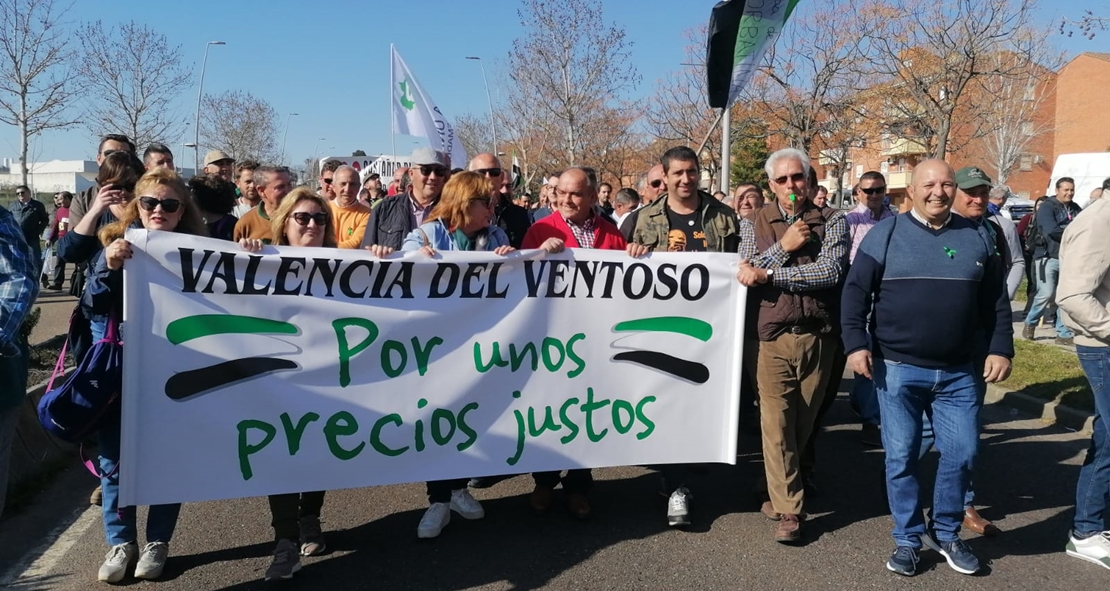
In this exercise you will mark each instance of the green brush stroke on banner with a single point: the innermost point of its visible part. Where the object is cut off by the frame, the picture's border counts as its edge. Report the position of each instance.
(203, 325)
(691, 327)
(744, 46)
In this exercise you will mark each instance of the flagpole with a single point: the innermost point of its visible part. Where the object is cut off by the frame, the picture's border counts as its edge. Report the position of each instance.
(712, 128)
(392, 128)
(726, 145)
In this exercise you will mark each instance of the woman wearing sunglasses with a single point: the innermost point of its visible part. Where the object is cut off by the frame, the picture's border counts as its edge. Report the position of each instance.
(460, 221)
(303, 219)
(163, 204)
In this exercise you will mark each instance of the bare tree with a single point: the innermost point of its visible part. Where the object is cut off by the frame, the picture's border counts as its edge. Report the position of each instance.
(529, 135)
(1014, 123)
(35, 92)
(474, 133)
(805, 83)
(930, 53)
(678, 111)
(566, 61)
(1089, 24)
(240, 124)
(130, 76)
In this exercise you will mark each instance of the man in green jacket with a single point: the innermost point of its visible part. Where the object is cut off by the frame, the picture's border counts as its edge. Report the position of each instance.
(683, 219)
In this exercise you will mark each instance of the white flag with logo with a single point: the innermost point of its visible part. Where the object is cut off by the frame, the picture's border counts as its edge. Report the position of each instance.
(415, 114)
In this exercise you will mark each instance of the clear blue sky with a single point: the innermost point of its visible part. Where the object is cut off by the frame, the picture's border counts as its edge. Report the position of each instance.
(332, 65)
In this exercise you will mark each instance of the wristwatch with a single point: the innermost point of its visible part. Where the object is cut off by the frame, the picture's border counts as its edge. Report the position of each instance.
(770, 272)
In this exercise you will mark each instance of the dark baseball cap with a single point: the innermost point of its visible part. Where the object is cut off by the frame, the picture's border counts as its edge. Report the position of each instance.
(970, 177)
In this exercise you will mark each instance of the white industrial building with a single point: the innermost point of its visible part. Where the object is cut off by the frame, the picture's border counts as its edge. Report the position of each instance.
(57, 175)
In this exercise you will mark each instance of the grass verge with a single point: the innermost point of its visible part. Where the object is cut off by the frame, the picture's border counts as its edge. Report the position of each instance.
(1050, 373)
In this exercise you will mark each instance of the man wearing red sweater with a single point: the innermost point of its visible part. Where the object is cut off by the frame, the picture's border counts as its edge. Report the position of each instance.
(574, 224)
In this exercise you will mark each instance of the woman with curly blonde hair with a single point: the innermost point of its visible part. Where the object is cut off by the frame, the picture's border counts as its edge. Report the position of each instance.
(162, 203)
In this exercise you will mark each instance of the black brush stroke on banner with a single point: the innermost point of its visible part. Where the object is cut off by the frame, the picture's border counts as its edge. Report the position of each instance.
(188, 384)
(724, 26)
(680, 368)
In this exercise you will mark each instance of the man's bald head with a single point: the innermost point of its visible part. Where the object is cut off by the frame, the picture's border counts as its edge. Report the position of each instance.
(488, 165)
(933, 190)
(575, 195)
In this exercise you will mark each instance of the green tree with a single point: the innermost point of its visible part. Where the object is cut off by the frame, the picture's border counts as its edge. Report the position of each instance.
(749, 153)
(358, 153)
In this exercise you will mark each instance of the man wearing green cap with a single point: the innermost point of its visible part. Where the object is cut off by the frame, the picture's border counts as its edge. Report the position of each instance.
(972, 202)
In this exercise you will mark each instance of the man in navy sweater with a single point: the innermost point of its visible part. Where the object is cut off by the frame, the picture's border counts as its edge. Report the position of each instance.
(934, 281)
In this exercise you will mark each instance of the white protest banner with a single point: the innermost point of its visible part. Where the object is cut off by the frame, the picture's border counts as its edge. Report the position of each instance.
(301, 369)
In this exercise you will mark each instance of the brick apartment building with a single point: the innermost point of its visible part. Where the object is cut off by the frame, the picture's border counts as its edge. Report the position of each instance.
(1072, 116)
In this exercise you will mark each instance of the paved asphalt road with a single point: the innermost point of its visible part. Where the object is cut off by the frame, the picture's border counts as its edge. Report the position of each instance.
(1026, 485)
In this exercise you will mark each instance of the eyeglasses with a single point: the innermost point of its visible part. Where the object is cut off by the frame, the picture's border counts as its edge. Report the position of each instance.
(428, 169)
(489, 171)
(21, 193)
(302, 218)
(796, 177)
(485, 201)
(656, 183)
(328, 181)
(168, 205)
(874, 190)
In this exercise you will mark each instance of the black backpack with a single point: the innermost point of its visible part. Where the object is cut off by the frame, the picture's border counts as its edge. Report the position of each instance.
(1032, 237)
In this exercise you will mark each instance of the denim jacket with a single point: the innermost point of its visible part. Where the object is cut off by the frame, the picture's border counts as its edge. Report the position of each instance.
(439, 237)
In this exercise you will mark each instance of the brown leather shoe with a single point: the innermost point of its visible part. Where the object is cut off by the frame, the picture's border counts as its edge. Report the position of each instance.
(97, 497)
(768, 511)
(578, 505)
(789, 530)
(976, 523)
(541, 499)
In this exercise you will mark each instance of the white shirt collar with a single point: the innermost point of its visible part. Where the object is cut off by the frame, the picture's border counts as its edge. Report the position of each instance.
(918, 217)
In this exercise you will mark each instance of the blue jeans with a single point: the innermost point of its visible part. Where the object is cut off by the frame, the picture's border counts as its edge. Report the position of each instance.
(1092, 492)
(928, 438)
(119, 522)
(905, 393)
(1047, 273)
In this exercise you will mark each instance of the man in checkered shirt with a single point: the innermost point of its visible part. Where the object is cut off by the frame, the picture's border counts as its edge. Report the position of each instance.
(18, 289)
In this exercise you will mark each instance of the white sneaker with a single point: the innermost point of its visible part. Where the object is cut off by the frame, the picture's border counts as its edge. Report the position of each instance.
(678, 508)
(152, 560)
(117, 561)
(466, 505)
(1094, 549)
(435, 519)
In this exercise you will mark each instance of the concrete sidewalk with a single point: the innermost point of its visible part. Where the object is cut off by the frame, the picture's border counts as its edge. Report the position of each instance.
(56, 308)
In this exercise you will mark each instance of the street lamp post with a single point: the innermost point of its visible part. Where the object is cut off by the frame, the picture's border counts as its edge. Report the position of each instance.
(315, 168)
(282, 159)
(492, 121)
(200, 93)
(188, 145)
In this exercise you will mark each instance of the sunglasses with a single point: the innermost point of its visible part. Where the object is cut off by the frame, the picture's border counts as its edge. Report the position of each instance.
(483, 200)
(428, 169)
(656, 183)
(873, 190)
(796, 177)
(489, 171)
(168, 205)
(328, 181)
(302, 218)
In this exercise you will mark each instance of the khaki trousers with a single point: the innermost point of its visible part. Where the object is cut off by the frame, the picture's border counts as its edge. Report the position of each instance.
(792, 372)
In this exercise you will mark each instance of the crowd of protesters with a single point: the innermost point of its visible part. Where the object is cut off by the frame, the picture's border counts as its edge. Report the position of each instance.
(916, 305)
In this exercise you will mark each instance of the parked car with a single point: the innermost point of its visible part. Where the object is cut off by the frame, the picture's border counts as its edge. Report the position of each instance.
(1017, 207)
